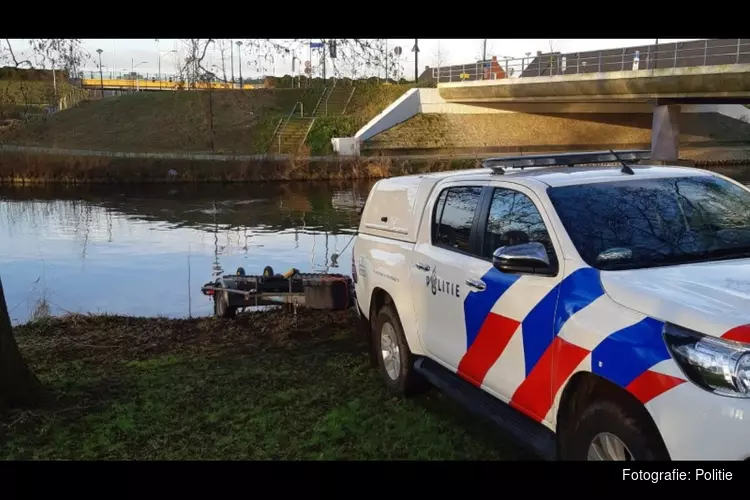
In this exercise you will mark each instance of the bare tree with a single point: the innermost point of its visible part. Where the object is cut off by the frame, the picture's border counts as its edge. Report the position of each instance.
(195, 72)
(352, 54)
(223, 47)
(19, 387)
(193, 69)
(368, 56)
(68, 53)
(440, 55)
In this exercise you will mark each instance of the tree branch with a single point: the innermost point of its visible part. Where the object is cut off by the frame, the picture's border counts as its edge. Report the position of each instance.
(13, 56)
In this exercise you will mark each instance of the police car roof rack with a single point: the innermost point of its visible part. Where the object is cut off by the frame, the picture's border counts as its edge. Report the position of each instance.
(499, 164)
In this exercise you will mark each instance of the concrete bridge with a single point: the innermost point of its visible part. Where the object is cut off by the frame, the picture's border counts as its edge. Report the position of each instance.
(663, 80)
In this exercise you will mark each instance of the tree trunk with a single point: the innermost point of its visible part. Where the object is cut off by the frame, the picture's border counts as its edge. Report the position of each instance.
(19, 387)
(211, 135)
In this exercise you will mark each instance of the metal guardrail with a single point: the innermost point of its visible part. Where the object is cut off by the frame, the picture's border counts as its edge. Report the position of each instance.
(153, 77)
(671, 55)
(137, 85)
(288, 118)
(330, 91)
(351, 94)
(320, 100)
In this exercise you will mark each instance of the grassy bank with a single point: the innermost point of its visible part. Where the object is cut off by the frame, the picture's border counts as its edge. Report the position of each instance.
(228, 121)
(38, 168)
(593, 131)
(33, 168)
(32, 94)
(261, 387)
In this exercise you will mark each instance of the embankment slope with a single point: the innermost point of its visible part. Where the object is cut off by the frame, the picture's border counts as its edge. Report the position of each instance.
(243, 122)
(516, 131)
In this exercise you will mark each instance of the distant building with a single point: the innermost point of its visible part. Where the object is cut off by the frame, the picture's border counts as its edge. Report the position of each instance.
(427, 77)
(492, 70)
(477, 70)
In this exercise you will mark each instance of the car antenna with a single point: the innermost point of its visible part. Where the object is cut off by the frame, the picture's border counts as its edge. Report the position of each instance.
(625, 167)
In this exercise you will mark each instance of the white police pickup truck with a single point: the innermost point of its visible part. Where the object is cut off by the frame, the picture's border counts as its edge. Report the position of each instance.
(596, 312)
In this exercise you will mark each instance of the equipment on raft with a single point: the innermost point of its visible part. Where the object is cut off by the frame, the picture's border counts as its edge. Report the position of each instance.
(312, 290)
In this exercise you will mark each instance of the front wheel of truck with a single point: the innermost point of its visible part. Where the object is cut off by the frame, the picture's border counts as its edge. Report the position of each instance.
(606, 431)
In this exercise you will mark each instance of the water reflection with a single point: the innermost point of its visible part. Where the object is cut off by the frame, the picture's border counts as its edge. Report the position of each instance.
(147, 249)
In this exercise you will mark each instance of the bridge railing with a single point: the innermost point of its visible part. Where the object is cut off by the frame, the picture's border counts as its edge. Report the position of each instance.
(670, 55)
(126, 75)
(166, 78)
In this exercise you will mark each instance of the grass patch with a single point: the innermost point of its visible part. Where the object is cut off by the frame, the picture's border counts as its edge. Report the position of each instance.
(261, 387)
(369, 100)
(37, 92)
(327, 127)
(243, 122)
(164, 122)
(20, 168)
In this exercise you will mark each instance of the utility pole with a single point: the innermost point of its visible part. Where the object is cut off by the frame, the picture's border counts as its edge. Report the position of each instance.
(416, 60)
(231, 58)
(158, 64)
(239, 57)
(323, 49)
(101, 75)
(386, 60)
(484, 50)
(223, 63)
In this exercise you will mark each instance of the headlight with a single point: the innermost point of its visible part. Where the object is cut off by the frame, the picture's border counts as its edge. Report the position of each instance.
(717, 365)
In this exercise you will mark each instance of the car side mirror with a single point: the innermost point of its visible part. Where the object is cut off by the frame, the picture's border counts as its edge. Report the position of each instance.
(523, 258)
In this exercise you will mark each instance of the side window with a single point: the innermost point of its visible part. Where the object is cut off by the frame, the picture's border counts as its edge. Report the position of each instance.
(514, 219)
(438, 214)
(454, 215)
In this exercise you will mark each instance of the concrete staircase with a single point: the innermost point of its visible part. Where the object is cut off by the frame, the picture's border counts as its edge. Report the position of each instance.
(335, 100)
(291, 132)
(310, 99)
(290, 135)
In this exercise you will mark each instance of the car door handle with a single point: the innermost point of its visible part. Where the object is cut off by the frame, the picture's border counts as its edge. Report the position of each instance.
(476, 284)
(422, 266)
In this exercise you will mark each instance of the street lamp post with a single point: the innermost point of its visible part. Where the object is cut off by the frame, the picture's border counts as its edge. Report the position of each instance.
(101, 75)
(133, 75)
(239, 60)
(231, 58)
(159, 64)
(54, 78)
(295, 70)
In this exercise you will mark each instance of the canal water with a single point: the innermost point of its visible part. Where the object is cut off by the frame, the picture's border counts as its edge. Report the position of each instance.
(146, 250)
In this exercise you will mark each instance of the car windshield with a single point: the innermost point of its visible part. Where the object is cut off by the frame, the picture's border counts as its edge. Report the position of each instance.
(655, 222)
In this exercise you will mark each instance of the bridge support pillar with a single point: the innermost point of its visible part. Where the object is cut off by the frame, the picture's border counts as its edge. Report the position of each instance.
(665, 133)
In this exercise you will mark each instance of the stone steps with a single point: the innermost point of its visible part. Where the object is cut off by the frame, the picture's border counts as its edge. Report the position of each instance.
(290, 138)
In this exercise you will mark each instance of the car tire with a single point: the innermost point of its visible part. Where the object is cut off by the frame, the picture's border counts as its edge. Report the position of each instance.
(395, 360)
(606, 430)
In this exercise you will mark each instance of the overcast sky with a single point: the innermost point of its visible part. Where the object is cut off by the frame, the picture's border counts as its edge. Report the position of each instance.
(120, 55)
